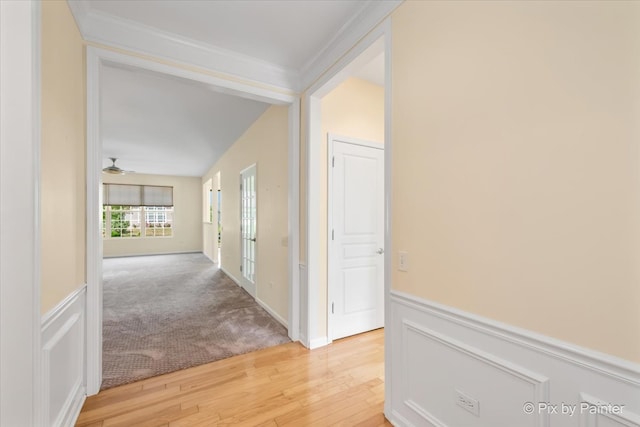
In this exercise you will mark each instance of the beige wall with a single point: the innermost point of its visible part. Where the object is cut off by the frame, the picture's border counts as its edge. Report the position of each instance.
(353, 109)
(515, 164)
(187, 217)
(62, 199)
(264, 143)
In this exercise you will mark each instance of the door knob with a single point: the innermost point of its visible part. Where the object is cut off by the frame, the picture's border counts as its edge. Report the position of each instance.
(253, 240)
(380, 251)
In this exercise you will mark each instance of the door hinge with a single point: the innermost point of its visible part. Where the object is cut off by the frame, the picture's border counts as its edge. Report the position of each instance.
(333, 161)
(332, 235)
(332, 308)
(240, 268)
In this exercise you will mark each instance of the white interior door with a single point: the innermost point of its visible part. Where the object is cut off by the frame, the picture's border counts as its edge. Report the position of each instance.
(248, 229)
(356, 237)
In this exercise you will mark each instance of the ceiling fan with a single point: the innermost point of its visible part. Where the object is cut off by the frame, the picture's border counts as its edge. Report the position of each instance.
(113, 169)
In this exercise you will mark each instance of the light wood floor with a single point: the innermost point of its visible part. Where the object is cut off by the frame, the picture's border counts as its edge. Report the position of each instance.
(287, 385)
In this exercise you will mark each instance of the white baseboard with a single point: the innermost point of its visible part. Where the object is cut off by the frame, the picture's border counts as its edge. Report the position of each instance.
(259, 301)
(304, 340)
(318, 342)
(209, 258)
(231, 276)
(63, 360)
(438, 351)
(272, 313)
(153, 253)
(76, 402)
(398, 420)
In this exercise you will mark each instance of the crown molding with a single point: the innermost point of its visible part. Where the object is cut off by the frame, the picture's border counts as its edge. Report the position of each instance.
(370, 16)
(108, 30)
(79, 10)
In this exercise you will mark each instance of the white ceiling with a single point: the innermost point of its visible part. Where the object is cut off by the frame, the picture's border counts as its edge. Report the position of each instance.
(284, 32)
(372, 71)
(158, 124)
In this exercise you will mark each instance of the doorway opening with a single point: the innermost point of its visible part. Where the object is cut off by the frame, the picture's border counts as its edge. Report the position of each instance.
(352, 101)
(355, 289)
(97, 60)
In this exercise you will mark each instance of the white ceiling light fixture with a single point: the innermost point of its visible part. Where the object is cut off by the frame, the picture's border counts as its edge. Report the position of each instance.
(113, 169)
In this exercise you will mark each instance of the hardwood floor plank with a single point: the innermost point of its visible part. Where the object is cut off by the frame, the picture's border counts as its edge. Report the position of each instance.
(200, 418)
(334, 418)
(96, 424)
(265, 415)
(287, 385)
(363, 419)
(322, 408)
(106, 412)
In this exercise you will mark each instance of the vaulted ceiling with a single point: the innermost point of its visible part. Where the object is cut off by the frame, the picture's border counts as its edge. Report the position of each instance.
(164, 125)
(159, 124)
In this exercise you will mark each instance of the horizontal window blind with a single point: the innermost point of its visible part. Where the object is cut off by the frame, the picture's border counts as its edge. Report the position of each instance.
(137, 195)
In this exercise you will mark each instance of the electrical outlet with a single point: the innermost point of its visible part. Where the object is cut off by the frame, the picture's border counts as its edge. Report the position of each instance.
(403, 261)
(467, 403)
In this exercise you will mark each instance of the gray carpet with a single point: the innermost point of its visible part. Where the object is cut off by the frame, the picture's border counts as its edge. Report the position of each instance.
(168, 312)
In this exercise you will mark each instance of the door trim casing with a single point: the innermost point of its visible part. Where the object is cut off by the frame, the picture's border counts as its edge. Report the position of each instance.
(331, 285)
(313, 135)
(21, 383)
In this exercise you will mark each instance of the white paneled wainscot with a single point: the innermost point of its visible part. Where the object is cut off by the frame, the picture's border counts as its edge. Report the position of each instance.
(63, 338)
(451, 368)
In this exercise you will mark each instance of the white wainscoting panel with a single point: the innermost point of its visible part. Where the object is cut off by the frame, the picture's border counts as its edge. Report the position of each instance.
(498, 384)
(596, 412)
(450, 368)
(63, 349)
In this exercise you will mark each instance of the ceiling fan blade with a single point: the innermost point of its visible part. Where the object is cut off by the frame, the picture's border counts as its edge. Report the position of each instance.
(115, 170)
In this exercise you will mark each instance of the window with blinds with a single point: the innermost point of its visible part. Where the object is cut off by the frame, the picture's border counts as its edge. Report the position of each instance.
(137, 195)
(137, 211)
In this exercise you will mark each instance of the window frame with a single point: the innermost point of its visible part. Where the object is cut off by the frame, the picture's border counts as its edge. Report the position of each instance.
(142, 211)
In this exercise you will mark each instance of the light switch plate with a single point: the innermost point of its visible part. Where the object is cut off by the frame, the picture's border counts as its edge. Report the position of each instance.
(403, 261)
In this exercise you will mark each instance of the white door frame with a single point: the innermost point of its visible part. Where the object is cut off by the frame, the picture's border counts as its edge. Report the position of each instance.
(96, 58)
(331, 266)
(21, 382)
(339, 72)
